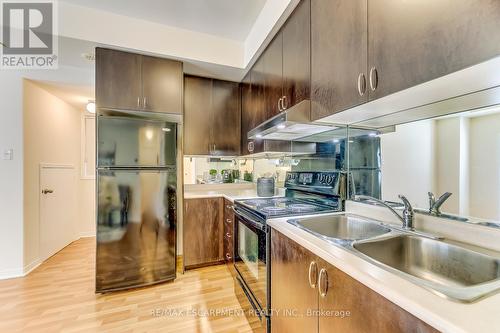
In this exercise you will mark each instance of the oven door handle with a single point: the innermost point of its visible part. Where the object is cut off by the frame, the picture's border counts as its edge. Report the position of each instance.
(257, 311)
(248, 220)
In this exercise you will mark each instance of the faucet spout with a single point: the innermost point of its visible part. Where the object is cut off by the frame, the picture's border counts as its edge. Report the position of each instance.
(407, 217)
(435, 204)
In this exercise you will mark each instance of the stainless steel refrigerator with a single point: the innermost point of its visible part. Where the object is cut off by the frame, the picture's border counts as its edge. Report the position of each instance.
(136, 200)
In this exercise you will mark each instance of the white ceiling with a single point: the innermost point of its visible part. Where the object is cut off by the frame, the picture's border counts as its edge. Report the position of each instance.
(232, 19)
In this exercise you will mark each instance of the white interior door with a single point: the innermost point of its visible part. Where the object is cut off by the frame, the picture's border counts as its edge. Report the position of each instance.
(58, 205)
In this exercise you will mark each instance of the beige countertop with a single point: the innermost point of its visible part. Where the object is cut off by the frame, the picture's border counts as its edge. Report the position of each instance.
(229, 191)
(441, 313)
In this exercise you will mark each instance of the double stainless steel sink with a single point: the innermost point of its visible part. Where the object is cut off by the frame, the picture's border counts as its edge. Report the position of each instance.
(457, 272)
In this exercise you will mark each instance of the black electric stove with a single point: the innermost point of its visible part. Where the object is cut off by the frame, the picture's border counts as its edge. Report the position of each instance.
(286, 206)
(306, 193)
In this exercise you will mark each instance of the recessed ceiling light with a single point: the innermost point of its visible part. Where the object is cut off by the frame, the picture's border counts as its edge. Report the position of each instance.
(372, 134)
(166, 129)
(258, 136)
(91, 107)
(336, 140)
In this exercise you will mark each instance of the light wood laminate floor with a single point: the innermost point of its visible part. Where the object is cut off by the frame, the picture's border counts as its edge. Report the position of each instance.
(59, 297)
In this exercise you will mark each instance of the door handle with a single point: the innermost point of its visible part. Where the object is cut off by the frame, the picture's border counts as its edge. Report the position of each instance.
(323, 283)
(373, 79)
(361, 84)
(46, 191)
(313, 274)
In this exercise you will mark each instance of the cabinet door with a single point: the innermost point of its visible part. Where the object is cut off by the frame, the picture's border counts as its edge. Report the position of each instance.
(118, 79)
(256, 114)
(203, 228)
(273, 76)
(411, 42)
(162, 85)
(338, 55)
(246, 111)
(197, 104)
(228, 231)
(292, 297)
(225, 118)
(368, 311)
(296, 55)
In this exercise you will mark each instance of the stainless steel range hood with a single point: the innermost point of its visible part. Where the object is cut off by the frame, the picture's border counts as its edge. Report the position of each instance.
(292, 124)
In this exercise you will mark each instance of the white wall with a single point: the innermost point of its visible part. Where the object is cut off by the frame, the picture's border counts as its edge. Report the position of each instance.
(11, 171)
(408, 162)
(448, 162)
(485, 167)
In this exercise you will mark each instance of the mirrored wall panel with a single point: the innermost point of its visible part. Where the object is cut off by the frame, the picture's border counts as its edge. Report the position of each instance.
(447, 166)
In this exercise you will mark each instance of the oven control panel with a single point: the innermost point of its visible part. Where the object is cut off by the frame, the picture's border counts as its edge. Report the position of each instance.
(327, 181)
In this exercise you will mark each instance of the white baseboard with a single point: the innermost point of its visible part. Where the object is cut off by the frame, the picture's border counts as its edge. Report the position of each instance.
(11, 273)
(30, 267)
(19, 272)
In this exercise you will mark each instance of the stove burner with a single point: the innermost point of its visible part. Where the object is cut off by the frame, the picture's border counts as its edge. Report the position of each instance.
(299, 208)
(274, 210)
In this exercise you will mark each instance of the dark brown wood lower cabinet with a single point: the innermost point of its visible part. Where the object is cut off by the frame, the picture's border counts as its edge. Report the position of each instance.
(291, 295)
(346, 306)
(228, 231)
(203, 232)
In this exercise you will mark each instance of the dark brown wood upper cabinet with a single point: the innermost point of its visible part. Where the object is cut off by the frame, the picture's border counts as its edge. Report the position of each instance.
(246, 111)
(197, 99)
(162, 85)
(226, 118)
(131, 81)
(253, 110)
(118, 79)
(212, 117)
(321, 287)
(411, 42)
(338, 56)
(273, 77)
(203, 232)
(297, 56)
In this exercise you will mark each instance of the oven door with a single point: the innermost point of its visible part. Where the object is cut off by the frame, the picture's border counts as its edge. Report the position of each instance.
(250, 257)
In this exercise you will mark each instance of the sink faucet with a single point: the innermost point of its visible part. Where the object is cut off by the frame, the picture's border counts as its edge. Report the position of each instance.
(435, 205)
(406, 219)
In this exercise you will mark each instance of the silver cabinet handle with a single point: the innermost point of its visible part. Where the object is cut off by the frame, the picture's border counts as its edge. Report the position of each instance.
(47, 191)
(228, 235)
(138, 101)
(279, 105)
(144, 102)
(229, 221)
(361, 84)
(229, 206)
(228, 256)
(373, 79)
(323, 283)
(313, 274)
(284, 103)
(251, 146)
